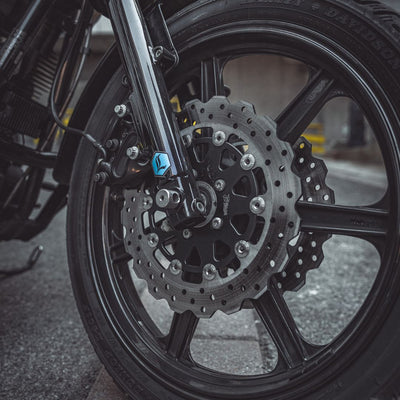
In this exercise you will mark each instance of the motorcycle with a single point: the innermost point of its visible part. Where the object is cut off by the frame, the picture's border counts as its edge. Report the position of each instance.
(215, 207)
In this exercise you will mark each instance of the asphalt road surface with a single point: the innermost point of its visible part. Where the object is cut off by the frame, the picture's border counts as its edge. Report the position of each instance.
(44, 352)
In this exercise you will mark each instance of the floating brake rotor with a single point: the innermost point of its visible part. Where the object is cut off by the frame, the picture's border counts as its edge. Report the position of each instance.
(250, 181)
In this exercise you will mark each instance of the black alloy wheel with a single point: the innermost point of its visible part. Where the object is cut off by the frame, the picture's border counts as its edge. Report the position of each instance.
(144, 361)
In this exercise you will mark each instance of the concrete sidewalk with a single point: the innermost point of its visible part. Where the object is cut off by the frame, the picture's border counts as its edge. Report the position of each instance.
(233, 345)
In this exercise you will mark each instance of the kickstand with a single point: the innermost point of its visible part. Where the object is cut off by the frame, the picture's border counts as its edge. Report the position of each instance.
(32, 260)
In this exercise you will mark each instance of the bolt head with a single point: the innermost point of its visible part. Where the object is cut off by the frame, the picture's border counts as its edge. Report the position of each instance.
(153, 240)
(200, 206)
(187, 140)
(217, 223)
(120, 110)
(133, 152)
(147, 203)
(175, 267)
(242, 249)
(219, 185)
(219, 138)
(257, 205)
(187, 234)
(248, 162)
(209, 272)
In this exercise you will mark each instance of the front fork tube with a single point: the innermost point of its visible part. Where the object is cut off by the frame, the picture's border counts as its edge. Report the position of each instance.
(153, 114)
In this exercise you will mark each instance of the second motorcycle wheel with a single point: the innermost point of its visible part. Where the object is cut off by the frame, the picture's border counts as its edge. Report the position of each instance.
(271, 215)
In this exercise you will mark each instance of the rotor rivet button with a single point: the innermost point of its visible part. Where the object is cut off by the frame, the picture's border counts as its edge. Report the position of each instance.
(133, 152)
(120, 110)
(219, 185)
(147, 203)
(247, 162)
(153, 240)
(217, 223)
(257, 205)
(209, 272)
(187, 234)
(175, 267)
(219, 138)
(242, 249)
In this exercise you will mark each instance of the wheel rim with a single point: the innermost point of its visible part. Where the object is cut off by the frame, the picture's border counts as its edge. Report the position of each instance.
(123, 307)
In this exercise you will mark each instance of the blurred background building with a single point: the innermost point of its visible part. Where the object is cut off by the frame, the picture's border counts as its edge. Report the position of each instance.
(269, 82)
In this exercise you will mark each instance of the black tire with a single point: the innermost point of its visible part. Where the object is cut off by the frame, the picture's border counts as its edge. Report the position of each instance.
(363, 39)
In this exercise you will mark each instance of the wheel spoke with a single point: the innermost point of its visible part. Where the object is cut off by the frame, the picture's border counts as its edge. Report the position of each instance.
(278, 320)
(363, 222)
(299, 114)
(181, 334)
(211, 79)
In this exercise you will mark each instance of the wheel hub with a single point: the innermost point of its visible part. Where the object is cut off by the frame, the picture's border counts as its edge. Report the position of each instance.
(209, 198)
(244, 174)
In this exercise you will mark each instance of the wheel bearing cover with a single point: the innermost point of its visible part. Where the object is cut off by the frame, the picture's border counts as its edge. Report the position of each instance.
(266, 257)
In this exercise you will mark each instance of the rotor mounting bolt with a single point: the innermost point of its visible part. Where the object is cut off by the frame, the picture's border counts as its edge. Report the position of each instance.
(187, 234)
(133, 152)
(121, 110)
(153, 240)
(257, 205)
(248, 162)
(217, 223)
(219, 185)
(219, 138)
(175, 267)
(242, 249)
(167, 198)
(209, 272)
(147, 203)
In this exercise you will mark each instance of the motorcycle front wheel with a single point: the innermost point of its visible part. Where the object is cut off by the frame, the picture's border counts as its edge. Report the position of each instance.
(351, 49)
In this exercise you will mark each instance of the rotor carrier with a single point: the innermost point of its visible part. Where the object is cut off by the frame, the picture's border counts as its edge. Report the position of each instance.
(246, 178)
